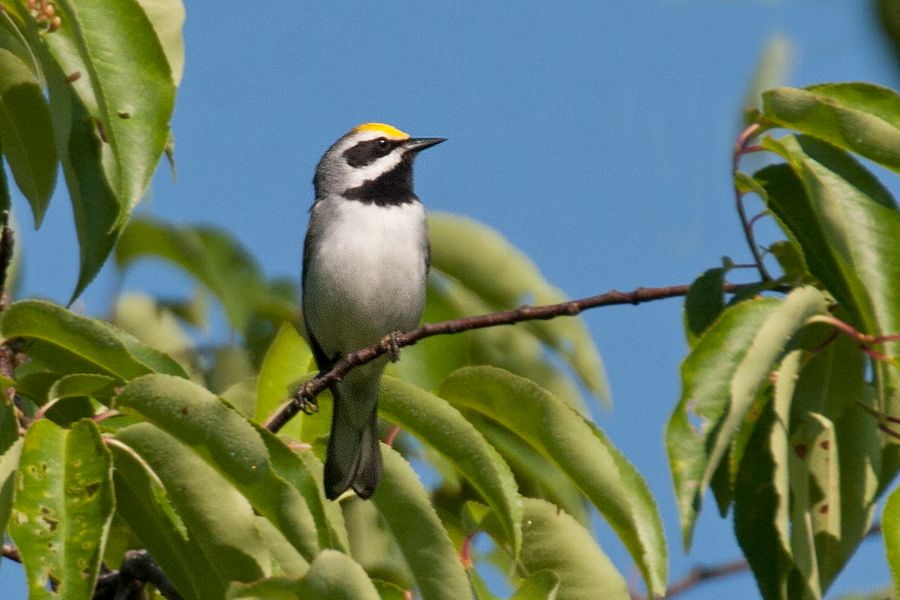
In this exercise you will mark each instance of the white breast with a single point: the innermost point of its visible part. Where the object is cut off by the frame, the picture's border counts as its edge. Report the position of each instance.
(366, 273)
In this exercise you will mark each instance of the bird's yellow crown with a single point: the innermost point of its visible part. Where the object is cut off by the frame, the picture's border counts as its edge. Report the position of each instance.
(384, 129)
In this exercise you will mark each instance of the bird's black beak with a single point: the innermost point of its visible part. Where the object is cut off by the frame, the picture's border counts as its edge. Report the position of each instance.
(418, 144)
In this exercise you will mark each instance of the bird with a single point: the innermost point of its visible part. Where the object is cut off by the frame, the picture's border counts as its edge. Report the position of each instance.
(365, 262)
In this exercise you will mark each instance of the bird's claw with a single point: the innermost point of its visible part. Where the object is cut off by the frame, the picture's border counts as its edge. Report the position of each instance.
(305, 399)
(393, 346)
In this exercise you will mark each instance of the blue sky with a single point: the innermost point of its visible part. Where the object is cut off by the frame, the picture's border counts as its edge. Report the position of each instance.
(595, 135)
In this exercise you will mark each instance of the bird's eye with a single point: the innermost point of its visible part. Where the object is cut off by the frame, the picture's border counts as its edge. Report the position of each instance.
(383, 144)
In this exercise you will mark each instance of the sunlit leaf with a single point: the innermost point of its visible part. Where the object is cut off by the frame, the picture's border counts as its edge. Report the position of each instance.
(62, 508)
(554, 541)
(515, 349)
(95, 207)
(331, 576)
(286, 361)
(216, 516)
(720, 379)
(27, 133)
(536, 475)
(372, 544)
(210, 255)
(540, 585)
(438, 424)
(133, 105)
(143, 503)
(230, 444)
(890, 532)
(605, 476)
(452, 240)
(403, 503)
(762, 490)
(849, 227)
(860, 117)
(9, 462)
(88, 341)
(771, 70)
(167, 19)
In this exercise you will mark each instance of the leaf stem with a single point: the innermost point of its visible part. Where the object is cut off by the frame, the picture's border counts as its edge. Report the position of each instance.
(741, 147)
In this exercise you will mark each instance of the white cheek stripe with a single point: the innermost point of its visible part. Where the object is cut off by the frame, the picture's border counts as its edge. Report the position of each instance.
(358, 176)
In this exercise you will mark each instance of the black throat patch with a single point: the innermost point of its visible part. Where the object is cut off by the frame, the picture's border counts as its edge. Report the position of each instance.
(388, 189)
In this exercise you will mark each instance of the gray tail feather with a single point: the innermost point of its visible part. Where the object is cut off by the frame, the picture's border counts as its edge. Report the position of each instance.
(353, 458)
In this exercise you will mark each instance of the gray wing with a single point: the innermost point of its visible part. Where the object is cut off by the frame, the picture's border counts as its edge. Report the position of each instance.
(323, 361)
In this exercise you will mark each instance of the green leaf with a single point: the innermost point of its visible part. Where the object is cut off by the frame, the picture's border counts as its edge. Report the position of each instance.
(154, 324)
(516, 349)
(95, 344)
(720, 379)
(762, 489)
(228, 443)
(418, 531)
(536, 475)
(580, 449)
(889, 19)
(389, 591)
(890, 532)
(441, 426)
(790, 259)
(69, 398)
(302, 472)
(427, 364)
(219, 523)
(210, 255)
(540, 585)
(27, 133)
(287, 360)
(860, 117)
(144, 504)
(62, 508)
(82, 384)
(841, 466)
(133, 105)
(94, 205)
(554, 541)
(704, 302)
(771, 70)
(167, 19)
(331, 576)
(9, 462)
(452, 240)
(849, 227)
(371, 542)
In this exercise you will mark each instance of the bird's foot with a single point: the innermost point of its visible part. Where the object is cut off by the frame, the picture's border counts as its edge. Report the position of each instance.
(305, 399)
(392, 345)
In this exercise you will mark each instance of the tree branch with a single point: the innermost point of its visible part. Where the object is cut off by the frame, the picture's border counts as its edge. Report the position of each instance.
(306, 394)
(741, 147)
(702, 573)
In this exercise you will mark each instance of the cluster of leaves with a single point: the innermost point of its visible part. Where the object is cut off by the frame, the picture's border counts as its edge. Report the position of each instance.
(123, 446)
(780, 412)
(104, 120)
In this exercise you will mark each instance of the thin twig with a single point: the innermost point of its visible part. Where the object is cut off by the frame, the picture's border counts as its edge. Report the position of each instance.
(741, 147)
(702, 573)
(863, 340)
(306, 394)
